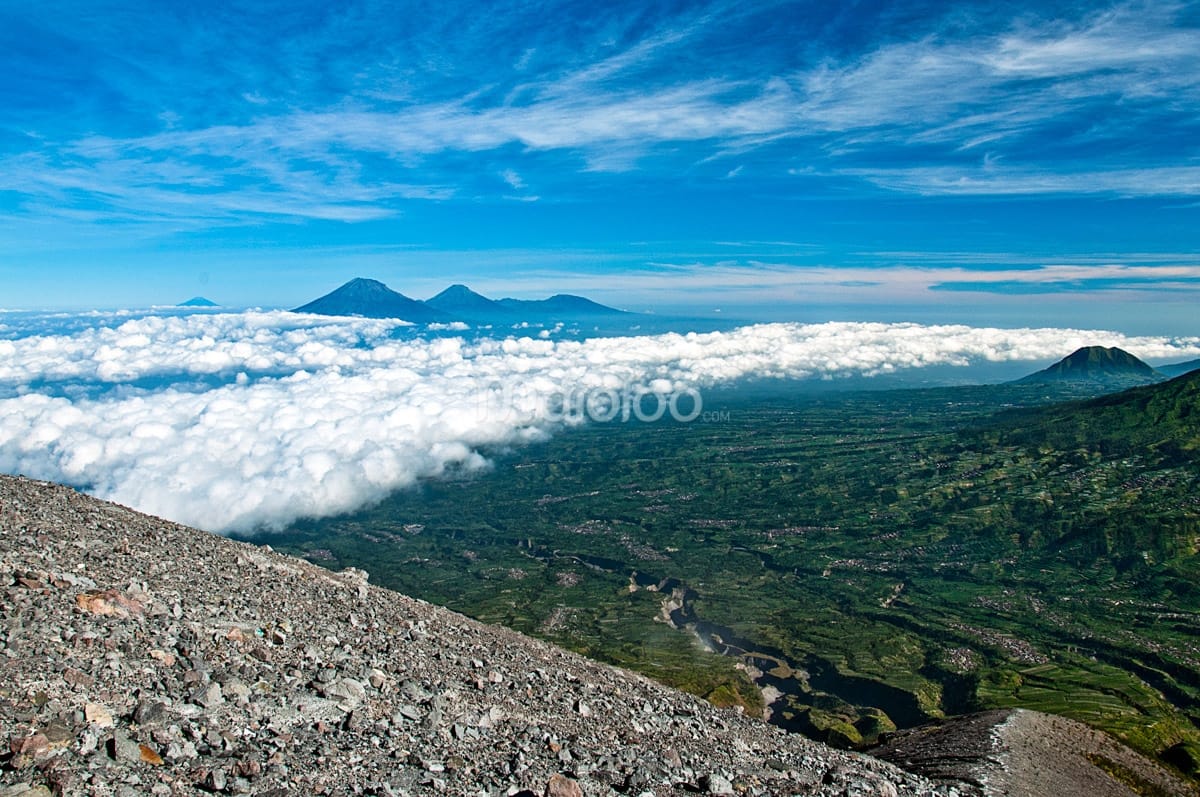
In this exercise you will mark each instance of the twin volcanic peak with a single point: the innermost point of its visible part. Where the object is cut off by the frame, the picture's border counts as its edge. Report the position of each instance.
(372, 299)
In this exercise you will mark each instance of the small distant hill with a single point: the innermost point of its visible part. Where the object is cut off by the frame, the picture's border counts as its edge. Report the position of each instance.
(1179, 369)
(198, 301)
(372, 299)
(1097, 364)
(461, 301)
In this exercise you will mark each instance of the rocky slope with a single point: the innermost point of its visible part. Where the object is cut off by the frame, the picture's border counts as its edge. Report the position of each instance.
(142, 657)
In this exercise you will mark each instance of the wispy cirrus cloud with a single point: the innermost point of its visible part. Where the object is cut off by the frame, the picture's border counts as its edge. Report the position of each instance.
(1032, 106)
(908, 277)
(1009, 81)
(994, 180)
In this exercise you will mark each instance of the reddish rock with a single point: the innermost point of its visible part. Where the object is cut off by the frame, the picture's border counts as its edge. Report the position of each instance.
(34, 745)
(150, 756)
(108, 603)
(562, 786)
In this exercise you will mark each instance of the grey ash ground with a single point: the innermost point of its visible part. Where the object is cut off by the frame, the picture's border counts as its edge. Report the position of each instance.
(142, 657)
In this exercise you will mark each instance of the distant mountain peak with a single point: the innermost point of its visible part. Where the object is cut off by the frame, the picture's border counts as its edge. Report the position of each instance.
(198, 301)
(1097, 363)
(372, 299)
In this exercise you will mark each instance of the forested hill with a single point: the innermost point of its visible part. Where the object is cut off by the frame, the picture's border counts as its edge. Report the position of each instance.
(1160, 420)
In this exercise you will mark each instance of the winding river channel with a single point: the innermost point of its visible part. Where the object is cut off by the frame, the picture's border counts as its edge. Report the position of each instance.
(786, 683)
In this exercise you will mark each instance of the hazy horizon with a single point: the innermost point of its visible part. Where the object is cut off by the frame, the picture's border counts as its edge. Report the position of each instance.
(1175, 318)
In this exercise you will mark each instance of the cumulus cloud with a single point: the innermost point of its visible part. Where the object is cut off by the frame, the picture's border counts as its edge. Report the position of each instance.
(322, 415)
(195, 345)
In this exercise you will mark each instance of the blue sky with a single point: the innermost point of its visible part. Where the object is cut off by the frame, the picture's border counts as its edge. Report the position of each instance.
(1007, 164)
